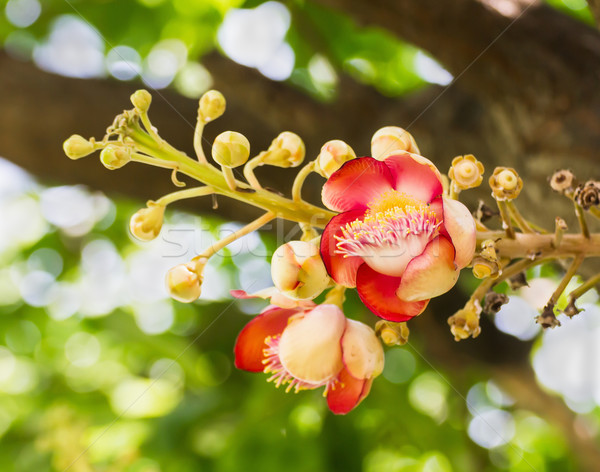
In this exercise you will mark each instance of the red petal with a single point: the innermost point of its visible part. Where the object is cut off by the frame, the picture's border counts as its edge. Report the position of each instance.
(341, 269)
(378, 293)
(251, 340)
(415, 176)
(356, 183)
(430, 274)
(348, 393)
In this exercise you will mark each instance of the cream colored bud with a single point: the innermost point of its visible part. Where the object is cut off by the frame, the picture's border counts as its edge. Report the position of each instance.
(298, 270)
(286, 150)
(141, 100)
(391, 140)
(115, 157)
(146, 223)
(332, 156)
(184, 281)
(211, 106)
(465, 322)
(391, 333)
(231, 149)
(466, 172)
(505, 183)
(77, 147)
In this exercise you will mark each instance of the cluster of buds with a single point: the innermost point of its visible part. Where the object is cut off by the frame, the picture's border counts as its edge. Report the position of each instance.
(505, 184)
(465, 322)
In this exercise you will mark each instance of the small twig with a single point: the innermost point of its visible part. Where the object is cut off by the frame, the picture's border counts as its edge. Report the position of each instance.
(522, 223)
(506, 221)
(299, 181)
(249, 171)
(581, 217)
(566, 279)
(560, 227)
(585, 287)
(183, 194)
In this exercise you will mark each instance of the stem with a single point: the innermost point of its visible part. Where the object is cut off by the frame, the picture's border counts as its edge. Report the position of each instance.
(198, 130)
(149, 128)
(229, 177)
(516, 214)
(299, 181)
(586, 286)
(182, 194)
(249, 171)
(453, 191)
(300, 212)
(249, 228)
(566, 279)
(560, 227)
(137, 157)
(581, 217)
(506, 221)
(595, 211)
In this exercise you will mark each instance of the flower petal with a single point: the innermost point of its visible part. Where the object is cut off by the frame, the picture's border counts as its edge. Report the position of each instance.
(341, 269)
(431, 274)
(378, 293)
(356, 183)
(362, 353)
(251, 340)
(460, 225)
(348, 393)
(415, 176)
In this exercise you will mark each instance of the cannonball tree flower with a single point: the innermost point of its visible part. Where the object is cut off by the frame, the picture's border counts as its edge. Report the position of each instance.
(310, 347)
(397, 239)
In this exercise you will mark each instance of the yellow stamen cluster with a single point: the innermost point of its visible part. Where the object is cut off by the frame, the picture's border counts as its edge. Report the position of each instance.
(392, 199)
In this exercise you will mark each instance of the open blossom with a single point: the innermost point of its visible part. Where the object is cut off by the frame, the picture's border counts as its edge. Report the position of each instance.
(308, 347)
(397, 239)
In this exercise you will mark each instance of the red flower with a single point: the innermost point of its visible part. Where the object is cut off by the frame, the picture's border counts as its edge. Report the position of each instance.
(308, 348)
(396, 239)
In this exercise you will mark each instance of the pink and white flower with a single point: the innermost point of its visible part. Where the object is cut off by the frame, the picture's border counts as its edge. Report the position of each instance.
(311, 347)
(397, 239)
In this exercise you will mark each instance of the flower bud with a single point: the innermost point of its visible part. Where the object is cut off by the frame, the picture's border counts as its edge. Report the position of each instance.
(465, 322)
(505, 183)
(563, 180)
(184, 281)
(211, 106)
(114, 157)
(141, 100)
(587, 195)
(488, 250)
(231, 149)
(332, 156)
(146, 223)
(77, 147)
(483, 268)
(298, 270)
(392, 334)
(466, 172)
(286, 150)
(391, 140)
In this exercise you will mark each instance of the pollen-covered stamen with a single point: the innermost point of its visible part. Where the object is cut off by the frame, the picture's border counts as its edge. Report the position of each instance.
(281, 376)
(394, 230)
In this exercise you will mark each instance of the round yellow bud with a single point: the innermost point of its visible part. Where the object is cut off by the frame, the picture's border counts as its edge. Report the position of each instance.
(286, 150)
(505, 183)
(231, 149)
(466, 172)
(115, 157)
(298, 270)
(146, 223)
(184, 282)
(141, 100)
(332, 156)
(391, 140)
(211, 106)
(77, 147)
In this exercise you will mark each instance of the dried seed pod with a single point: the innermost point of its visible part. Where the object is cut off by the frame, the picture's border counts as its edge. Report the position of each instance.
(518, 281)
(493, 302)
(485, 212)
(547, 318)
(588, 195)
(571, 309)
(563, 180)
